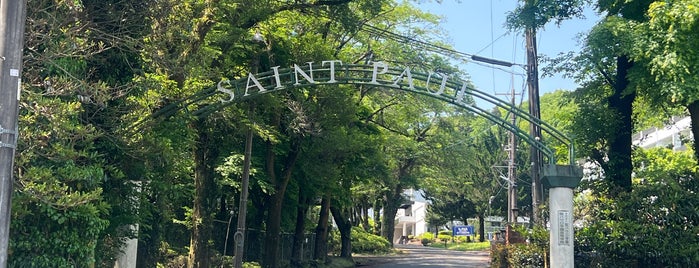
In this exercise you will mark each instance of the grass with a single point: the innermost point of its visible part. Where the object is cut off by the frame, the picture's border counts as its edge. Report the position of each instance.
(463, 246)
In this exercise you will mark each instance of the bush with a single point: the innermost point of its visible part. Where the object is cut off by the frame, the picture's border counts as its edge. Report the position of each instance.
(427, 235)
(444, 232)
(442, 237)
(498, 256)
(654, 225)
(530, 255)
(517, 256)
(526, 256)
(462, 239)
(426, 238)
(364, 242)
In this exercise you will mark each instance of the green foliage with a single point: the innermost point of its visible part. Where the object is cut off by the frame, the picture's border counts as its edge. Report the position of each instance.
(426, 235)
(498, 256)
(668, 46)
(251, 265)
(93, 75)
(561, 110)
(73, 202)
(538, 237)
(55, 237)
(444, 237)
(525, 256)
(59, 212)
(461, 246)
(461, 181)
(532, 254)
(365, 242)
(655, 225)
(536, 14)
(362, 242)
(627, 9)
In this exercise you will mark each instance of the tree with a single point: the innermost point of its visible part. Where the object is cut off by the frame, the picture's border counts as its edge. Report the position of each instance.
(405, 120)
(607, 72)
(72, 193)
(659, 207)
(667, 45)
(464, 182)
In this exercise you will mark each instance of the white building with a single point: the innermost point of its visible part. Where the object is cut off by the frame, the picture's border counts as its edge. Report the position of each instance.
(411, 217)
(670, 136)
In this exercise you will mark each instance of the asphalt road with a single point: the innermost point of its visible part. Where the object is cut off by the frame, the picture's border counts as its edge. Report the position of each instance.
(426, 257)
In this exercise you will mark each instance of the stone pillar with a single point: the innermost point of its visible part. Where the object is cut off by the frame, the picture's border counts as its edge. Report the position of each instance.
(561, 180)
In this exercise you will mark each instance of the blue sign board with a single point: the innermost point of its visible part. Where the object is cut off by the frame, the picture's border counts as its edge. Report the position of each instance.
(463, 230)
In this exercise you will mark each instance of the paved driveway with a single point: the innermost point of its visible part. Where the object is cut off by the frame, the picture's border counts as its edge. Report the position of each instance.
(426, 257)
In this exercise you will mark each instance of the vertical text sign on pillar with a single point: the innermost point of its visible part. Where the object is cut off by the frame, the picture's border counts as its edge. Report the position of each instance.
(561, 180)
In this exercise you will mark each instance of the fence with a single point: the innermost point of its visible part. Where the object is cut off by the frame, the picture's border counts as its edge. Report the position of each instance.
(255, 241)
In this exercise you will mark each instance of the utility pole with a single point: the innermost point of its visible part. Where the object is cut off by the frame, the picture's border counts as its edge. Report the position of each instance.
(239, 237)
(12, 17)
(512, 150)
(511, 166)
(534, 129)
(511, 171)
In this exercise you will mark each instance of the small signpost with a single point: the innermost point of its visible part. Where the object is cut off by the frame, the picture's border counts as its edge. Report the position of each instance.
(462, 230)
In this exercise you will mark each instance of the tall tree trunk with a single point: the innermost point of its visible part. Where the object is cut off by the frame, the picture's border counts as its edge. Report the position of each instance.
(377, 217)
(354, 217)
(620, 166)
(345, 228)
(365, 216)
(273, 231)
(392, 202)
(393, 199)
(300, 230)
(201, 211)
(274, 214)
(694, 116)
(481, 228)
(320, 250)
(254, 246)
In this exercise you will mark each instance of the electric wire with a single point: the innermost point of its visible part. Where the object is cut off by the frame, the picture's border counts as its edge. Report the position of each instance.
(492, 48)
(439, 49)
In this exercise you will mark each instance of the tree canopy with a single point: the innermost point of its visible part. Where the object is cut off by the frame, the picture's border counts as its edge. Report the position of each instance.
(103, 159)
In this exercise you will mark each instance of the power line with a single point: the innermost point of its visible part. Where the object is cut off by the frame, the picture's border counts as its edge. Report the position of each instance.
(440, 49)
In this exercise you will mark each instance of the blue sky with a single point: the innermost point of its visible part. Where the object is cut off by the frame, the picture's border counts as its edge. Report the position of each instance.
(473, 25)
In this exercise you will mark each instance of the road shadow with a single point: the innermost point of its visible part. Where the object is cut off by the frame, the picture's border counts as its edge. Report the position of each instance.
(424, 257)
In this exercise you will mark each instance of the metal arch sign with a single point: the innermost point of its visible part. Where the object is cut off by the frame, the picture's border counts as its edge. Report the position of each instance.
(441, 86)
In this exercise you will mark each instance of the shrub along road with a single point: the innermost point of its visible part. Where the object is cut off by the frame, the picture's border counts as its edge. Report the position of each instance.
(425, 257)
